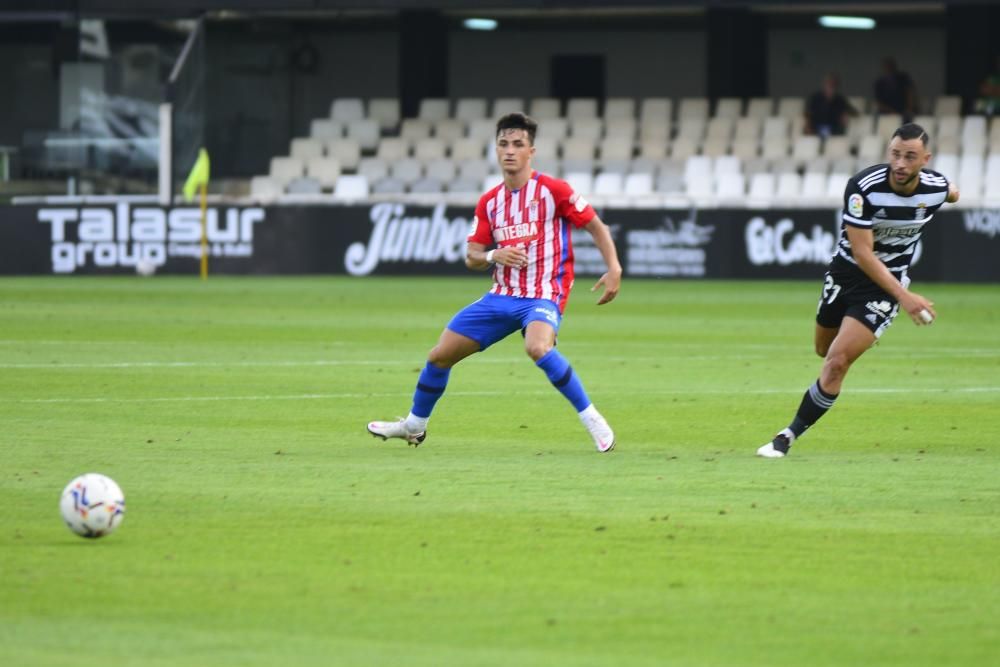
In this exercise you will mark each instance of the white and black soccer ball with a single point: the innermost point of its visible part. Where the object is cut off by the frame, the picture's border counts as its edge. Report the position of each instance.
(92, 505)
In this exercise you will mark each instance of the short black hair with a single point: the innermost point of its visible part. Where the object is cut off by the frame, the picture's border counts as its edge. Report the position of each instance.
(518, 121)
(909, 131)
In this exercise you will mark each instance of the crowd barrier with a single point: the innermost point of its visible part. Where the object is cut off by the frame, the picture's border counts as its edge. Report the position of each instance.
(396, 239)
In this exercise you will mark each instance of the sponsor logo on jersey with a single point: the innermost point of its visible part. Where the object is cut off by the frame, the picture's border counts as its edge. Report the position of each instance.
(879, 307)
(515, 234)
(578, 202)
(856, 205)
(550, 314)
(920, 212)
(880, 214)
(871, 318)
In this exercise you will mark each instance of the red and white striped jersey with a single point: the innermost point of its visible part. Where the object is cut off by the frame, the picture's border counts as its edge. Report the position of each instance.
(538, 217)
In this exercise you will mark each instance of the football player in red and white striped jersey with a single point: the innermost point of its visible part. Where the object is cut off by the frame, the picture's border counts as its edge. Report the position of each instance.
(522, 229)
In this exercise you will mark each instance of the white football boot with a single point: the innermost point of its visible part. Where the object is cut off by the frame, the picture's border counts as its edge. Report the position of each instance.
(777, 448)
(604, 437)
(396, 429)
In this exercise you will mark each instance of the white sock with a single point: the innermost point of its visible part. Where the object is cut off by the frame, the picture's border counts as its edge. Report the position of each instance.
(589, 412)
(415, 424)
(788, 432)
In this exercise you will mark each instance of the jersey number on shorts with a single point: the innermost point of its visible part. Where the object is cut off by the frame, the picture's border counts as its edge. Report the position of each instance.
(830, 289)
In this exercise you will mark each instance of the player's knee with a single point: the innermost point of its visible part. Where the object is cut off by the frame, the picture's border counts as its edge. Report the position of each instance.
(440, 357)
(836, 365)
(537, 349)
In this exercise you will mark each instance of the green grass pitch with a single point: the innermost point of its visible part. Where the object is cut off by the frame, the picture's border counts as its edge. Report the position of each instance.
(266, 527)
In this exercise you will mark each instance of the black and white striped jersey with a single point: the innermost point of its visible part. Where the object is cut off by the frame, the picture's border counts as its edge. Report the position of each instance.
(895, 220)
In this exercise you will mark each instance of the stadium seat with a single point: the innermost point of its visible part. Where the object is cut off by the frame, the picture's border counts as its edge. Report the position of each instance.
(582, 182)
(775, 147)
(613, 148)
(542, 108)
(860, 127)
(577, 164)
(946, 163)
(791, 107)
(365, 131)
(730, 189)
(465, 186)
(656, 111)
(653, 149)
(693, 107)
(727, 164)
(306, 148)
(745, 149)
(620, 128)
(347, 109)
(427, 185)
(284, 169)
(551, 166)
(872, 148)
(692, 127)
(760, 107)
(449, 130)
(434, 109)
(697, 166)
(859, 102)
(546, 147)
(326, 129)
(468, 109)
(715, 147)
(347, 151)
(682, 148)
(701, 190)
(949, 126)
(429, 149)
(644, 165)
(886, 125)
(387, 186)
(474, 170)
(670, 183)
(806, 148)
(748, 129)
(761, 191)
(775, 127)
(609, 184)
(929, 123)
(351, 186)
(577, 148)
(265, 188)
(556, 128)
(505, 105)
(374, 168)
(619, 108)
(441, 169)
(304, 185)
(720, 127)
(814, 188)
(844, 165)
(789, 188)
(408, 170)
(819, 165)
(728, 107)
(638, 184)
(837, 147)
(384, 111)
(391, 149)
(490, 181)
(974, 139)
(754, 166)
(483, 130)
(414, 129)
(468, 149)
(581, 107)
(948, 105)
(326, 170)
(590, 128)
(836, 182)
(654, 131)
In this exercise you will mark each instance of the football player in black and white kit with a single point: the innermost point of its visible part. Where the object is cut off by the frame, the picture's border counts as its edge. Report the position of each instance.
(885, 209)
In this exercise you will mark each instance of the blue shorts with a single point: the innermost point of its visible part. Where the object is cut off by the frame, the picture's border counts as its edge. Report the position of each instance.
(494, 317)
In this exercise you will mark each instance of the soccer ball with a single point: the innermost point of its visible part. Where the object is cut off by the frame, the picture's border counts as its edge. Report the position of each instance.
(145, 267)
(92, 505)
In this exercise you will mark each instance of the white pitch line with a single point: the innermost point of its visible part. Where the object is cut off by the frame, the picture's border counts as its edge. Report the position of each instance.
(313, 397)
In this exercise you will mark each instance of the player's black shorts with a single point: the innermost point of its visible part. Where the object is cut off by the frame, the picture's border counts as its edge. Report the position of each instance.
(847, 295)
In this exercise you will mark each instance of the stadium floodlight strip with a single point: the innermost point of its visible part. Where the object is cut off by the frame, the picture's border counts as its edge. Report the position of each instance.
(480, 24)
(849, 22)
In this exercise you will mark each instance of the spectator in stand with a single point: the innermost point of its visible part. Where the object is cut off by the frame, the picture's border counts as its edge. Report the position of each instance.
(989, 91)
(895, 92)
(827, 110)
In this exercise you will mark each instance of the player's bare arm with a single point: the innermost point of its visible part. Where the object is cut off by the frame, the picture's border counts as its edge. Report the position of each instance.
(863, 246)
(952, 197)
(611, 281)
(478, 258)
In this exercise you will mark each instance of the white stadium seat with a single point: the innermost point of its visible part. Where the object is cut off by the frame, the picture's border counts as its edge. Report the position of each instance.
(347, 109)
(384, 111)
(434, 109)
(351, 186)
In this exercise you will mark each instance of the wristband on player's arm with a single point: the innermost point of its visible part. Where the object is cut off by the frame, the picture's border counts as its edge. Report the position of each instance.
(489, 256)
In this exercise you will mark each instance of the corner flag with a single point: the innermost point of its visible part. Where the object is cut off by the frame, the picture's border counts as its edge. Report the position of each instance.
(198, 176)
